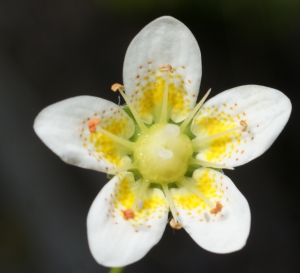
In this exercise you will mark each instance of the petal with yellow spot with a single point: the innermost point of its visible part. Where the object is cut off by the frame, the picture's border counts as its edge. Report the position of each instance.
(116, 219)
(222, 226)
(76, 130)
(162, 44)
(239, 124)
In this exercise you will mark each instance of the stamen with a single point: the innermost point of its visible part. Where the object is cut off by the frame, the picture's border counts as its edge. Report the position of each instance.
(174, 224)
(217, 209)
(118, 87)
(164, 106)
(244, 125)
(93, 124)
(190, 186)
(140, 205)
(128, 214)
(169, 200)
(123, 168)
(200, 143)
(166, 67)
(194, 111)
(208, 164)
(138, 202)
(120, 140)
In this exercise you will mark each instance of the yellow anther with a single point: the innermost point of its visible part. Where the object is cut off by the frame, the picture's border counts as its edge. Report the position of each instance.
(174, 224)
(117, 87)
(244, 125)
(166, 67)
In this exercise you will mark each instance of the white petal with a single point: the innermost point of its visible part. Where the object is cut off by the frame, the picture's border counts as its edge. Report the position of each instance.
(114, 241)
(63, 127)
(165, 41)
(265, 111)
(223, 232)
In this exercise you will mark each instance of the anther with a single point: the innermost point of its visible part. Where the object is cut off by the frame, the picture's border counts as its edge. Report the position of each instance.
(174, 224)
(217, 209)
(128, 214)
(244, 125)
(117, 87)
(166, 67)
(93, 124)
(140, 205)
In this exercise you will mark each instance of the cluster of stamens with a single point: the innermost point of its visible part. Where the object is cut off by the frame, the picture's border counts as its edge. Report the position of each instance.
(162, 152)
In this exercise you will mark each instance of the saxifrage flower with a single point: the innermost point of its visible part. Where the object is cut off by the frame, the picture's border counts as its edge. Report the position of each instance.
(163, 152)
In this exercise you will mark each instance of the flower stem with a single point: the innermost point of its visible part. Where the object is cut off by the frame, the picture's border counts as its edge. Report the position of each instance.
(116, 270)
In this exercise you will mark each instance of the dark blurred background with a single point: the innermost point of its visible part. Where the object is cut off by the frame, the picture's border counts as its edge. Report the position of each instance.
(56, 49)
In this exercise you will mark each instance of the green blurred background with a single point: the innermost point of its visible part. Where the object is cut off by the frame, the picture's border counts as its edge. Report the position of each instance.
(56, 49)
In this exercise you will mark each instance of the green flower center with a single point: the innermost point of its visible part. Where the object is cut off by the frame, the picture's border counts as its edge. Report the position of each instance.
(162, 153)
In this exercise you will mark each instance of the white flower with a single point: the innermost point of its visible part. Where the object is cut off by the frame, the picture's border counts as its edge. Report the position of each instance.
(165, 153)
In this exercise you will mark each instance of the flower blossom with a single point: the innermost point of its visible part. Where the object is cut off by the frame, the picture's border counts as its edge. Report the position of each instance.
(164, 152)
